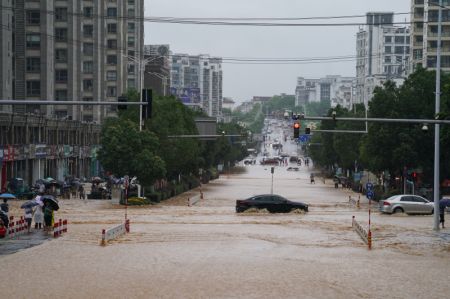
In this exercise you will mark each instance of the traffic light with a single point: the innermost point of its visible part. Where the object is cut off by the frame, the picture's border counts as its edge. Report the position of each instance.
(147, 96)
(122, 99)
(296, 130)
(414, 176)
(307, 131)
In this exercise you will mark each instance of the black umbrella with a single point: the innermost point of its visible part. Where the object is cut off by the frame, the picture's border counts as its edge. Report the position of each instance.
(52, 202)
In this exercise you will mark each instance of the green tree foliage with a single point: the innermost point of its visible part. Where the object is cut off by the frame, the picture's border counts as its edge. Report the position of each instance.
(172, 118)
(126, 151)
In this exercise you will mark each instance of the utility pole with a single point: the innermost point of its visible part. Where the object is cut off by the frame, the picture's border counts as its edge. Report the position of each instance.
(437, 126)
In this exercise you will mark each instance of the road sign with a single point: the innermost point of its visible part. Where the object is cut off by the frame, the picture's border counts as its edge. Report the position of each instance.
(369, 186)
(370, 194)
(304, 138)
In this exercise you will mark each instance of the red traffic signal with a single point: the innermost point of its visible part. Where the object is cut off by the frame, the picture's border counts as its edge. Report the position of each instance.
(296, 130)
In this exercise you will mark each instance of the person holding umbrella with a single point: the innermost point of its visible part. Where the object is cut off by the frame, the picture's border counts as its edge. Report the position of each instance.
(37, 213)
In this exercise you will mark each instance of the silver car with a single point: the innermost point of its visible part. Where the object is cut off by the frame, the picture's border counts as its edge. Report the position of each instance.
(406, 203)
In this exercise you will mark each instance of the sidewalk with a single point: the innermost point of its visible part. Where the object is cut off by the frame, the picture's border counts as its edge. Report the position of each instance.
(35, 237)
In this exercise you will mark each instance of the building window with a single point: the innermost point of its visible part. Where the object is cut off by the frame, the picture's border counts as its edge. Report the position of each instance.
(88, 67)
(88, 30)
(131, 12)
(130, 2)
(61, 76)
(88, 49)
(111, 59)
(88, 107)
(88, 85)
(111, 12)
(131, 69)
(61, 55)
(112, 43)
(388, 39)
(33, 64)
(112, 28)
(61, 95)
(387, 50)
(131, 83)
(131, 53)
(33, 88)
(88, 12)
(111, 91)
(111, 75)
(33, 17)
(387, 59)
(131, 41)
(33, 41)
(61, 14)
(61, 34)
(131, 27)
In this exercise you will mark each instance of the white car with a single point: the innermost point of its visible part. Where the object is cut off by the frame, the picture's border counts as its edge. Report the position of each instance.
(406, 203)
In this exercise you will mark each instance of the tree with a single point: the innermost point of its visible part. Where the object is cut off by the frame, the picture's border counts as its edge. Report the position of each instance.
(126, 151)
(172, 118)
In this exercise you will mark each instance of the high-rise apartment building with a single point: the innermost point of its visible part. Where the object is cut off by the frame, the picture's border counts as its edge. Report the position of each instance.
(382, 51)
(197, 81)
(424, 35)
(69, 50)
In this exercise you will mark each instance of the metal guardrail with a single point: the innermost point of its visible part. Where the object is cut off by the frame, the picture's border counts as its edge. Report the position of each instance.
(365, 235)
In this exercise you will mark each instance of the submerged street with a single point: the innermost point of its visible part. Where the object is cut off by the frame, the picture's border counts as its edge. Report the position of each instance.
(209, 251)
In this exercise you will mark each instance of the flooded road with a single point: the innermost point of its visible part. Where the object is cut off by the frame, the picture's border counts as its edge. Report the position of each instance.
(209, 251)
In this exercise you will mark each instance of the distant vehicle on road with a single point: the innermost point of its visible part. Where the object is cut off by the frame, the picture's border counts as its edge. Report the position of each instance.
(406, 203)
(273, 203)
(269, 161)
(293, 169)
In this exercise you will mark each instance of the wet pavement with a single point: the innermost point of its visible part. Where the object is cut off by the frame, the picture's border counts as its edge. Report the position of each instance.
(209, 251)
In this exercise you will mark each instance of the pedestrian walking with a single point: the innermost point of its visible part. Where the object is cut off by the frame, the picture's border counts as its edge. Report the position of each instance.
(5, 206)
(311, 177)
(38, 217)
(48, 214)
(29, 217)
(443, 203)
(81, 191)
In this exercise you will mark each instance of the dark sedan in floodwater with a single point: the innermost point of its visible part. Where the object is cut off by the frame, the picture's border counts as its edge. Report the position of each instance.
(273, 203)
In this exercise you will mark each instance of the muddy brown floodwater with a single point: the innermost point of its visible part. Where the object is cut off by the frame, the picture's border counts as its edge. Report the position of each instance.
(209, 251)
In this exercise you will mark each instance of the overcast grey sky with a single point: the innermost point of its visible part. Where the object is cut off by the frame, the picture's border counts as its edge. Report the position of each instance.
(241, 81)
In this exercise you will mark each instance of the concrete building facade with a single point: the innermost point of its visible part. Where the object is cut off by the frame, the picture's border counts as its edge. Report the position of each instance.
(67, 50)
(157, 69)
(337, 90)
(424, 34)
(197, 82)
(383, 53)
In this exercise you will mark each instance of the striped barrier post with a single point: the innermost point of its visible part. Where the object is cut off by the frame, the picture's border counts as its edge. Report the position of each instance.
(55, 229)
(11, 232)
(64, 226)
(60, 228)
(103, 243)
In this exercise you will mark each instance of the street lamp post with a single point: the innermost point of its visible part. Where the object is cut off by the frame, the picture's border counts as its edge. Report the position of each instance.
(141, 69)
(437, 126)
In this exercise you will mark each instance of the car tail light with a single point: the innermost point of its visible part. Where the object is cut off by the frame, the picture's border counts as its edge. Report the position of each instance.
(241, 202)
(386, 203)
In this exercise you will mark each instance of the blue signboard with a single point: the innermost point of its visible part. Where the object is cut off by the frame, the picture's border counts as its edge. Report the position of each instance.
(370, 194)
(304, 138)
(369, 186)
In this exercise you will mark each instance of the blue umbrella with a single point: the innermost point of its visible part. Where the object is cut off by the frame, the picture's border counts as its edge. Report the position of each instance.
(7, 196)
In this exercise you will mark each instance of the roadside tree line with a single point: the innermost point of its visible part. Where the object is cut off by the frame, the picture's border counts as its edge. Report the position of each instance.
(151, 155)
(390, 147)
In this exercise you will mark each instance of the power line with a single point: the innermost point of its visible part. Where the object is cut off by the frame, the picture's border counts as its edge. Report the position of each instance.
(222, 21)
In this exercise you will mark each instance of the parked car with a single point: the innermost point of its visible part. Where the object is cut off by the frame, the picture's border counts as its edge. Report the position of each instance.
(292, 169)
(270, 161)
(406, 203)
(273, 203)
